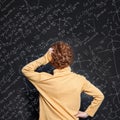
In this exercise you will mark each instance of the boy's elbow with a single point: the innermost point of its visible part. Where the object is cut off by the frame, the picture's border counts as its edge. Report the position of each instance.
(102, 97)
(23, 70)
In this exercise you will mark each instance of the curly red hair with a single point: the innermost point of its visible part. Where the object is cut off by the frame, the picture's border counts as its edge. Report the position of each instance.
(62, 55)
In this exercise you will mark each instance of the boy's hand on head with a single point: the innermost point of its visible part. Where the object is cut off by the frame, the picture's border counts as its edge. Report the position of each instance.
(50, 50)
(81, 114)
(48, 55)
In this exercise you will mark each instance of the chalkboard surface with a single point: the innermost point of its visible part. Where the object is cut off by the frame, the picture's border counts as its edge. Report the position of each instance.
(28, 27)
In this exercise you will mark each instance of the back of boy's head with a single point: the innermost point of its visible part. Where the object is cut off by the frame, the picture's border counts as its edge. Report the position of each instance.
(62, 55)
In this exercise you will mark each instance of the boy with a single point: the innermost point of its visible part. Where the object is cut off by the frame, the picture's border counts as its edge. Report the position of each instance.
(60, 93)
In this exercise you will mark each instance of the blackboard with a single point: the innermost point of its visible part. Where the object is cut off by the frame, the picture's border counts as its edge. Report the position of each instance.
(28, 27)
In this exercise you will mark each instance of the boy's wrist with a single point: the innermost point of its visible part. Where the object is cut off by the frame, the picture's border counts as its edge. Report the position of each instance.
(47, 57)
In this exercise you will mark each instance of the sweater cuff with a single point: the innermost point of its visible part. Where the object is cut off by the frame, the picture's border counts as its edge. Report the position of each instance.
(90, 112)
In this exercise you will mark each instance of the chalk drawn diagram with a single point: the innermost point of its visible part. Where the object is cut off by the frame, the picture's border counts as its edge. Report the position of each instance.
(28, 28)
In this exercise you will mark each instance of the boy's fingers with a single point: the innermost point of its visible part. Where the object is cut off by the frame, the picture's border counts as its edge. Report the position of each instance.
(77, 115)
(51, 50)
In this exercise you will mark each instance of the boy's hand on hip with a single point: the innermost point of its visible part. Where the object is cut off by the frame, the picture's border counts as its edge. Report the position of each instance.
(81, 114)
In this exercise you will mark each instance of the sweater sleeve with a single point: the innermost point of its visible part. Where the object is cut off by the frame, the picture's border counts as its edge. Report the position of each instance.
(97, 95)
(29, 69)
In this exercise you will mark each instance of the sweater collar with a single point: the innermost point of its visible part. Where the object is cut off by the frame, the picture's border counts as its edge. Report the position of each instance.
(63, 71)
